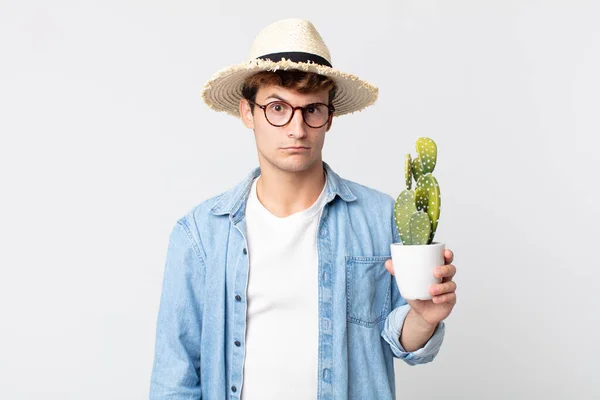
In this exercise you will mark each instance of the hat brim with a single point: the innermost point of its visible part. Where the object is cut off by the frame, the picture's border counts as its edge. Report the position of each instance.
(223, 91)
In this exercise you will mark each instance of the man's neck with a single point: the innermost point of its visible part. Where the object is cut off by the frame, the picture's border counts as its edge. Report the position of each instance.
(285, 193)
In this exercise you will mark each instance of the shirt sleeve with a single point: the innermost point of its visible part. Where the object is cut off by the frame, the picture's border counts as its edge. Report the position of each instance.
(391, 334)
(176, 368)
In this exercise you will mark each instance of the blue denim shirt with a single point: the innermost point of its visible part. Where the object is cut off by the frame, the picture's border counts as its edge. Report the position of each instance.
(201, 325)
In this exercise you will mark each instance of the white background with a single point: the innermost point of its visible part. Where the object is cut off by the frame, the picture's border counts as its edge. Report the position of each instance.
(105, 143)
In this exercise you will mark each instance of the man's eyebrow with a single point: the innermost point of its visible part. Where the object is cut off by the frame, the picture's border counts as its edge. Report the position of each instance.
(274, 96)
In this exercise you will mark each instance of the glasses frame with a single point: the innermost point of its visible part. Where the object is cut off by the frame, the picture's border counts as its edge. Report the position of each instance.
(330, 108)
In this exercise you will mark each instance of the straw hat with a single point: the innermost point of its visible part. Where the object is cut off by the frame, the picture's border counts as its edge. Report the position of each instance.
(283, 45)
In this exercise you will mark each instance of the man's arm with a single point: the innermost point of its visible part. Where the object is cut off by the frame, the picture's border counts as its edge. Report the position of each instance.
(423, 345)
(176, 369)
(415, 332)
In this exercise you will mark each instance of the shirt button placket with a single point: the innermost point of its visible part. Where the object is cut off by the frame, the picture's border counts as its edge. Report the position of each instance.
(325, 313)
(237, 343)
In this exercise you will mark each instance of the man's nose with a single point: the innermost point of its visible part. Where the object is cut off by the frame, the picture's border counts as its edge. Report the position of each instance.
(297, 126)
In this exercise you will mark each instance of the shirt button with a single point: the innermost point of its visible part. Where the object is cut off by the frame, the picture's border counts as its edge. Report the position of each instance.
(245, 251)
(237, 343)
(233, 389)
(238, 297)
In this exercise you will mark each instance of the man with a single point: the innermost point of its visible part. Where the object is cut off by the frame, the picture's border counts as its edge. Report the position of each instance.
(279, 288)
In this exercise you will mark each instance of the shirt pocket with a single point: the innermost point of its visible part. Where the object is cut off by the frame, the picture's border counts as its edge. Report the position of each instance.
(368, 289)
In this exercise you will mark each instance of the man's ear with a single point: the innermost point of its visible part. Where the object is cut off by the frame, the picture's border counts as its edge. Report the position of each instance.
(246, 114)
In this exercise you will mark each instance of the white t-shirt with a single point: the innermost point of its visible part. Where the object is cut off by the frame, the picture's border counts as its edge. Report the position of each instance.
(282, 335)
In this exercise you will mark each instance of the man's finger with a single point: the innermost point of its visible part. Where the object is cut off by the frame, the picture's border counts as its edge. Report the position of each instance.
(443, 288)
(448, 256)
(445, 271)
(445, 298)
(389, 266)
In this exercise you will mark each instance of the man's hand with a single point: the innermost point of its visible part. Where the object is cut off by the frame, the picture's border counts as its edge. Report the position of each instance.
(444, 294)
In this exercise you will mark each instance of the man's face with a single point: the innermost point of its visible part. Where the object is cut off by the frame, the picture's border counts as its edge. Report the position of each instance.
(295, 147)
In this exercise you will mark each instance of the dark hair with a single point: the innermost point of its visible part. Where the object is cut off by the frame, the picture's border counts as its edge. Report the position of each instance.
(299, 81)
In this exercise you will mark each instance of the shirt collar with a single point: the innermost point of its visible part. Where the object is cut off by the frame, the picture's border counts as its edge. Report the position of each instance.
(232, 201)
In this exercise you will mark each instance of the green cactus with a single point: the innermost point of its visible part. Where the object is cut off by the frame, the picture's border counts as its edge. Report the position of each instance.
(416, 168)
(407, 174)
(417, 211)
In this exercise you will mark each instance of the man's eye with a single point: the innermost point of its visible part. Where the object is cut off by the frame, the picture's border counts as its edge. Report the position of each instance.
(278, 107)
(311, 109)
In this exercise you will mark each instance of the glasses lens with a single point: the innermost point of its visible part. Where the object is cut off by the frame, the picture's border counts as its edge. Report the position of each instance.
(316, 115)
(278, 113)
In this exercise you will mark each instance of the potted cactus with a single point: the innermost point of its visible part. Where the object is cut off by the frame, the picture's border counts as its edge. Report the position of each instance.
(417, 213)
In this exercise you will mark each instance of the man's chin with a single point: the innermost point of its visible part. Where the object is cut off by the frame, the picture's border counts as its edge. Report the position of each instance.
(296, 165)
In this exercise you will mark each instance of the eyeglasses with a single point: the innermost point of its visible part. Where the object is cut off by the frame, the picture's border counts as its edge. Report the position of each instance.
(280, 113)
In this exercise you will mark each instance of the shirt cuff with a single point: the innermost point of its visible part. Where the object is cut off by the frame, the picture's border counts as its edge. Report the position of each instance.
(391, 334)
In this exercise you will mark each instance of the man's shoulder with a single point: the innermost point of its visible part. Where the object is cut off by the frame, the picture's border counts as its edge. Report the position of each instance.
(222, 204)
(366, 194)
(205, 223)
(372, 211)
(204, 209)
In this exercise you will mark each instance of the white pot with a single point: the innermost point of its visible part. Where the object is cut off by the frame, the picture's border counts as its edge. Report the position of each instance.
(414, 267)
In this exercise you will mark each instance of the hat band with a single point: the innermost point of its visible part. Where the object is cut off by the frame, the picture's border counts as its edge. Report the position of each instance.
(296, 56)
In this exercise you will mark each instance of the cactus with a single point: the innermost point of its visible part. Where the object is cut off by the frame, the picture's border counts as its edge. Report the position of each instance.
(417, 211)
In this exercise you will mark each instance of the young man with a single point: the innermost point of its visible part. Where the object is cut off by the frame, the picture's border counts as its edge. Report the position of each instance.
(279, 288)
